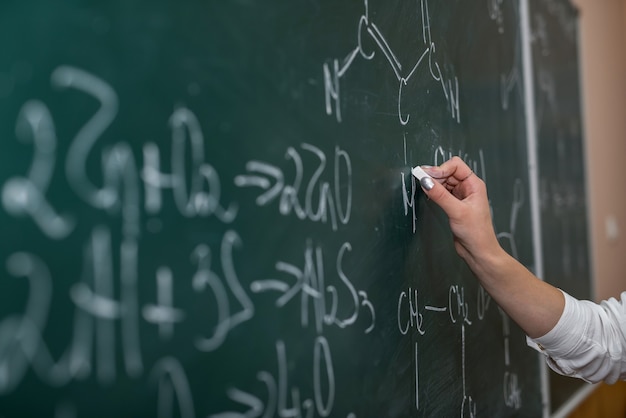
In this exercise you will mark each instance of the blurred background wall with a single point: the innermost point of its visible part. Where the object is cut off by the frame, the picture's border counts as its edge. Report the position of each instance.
(603, 68)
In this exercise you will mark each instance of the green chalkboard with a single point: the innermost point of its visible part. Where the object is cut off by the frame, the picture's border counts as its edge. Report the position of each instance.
(207, 208)
(564, 234)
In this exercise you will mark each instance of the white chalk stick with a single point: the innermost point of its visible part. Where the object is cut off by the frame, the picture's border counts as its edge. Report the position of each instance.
(419, 173)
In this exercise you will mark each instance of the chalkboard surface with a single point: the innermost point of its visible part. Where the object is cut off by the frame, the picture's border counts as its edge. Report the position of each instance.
(207, 208)
(554, 27)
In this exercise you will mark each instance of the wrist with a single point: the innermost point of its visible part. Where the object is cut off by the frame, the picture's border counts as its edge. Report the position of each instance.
(491, 265)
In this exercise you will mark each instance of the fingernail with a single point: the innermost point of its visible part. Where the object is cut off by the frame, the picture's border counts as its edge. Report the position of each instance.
(427, 183)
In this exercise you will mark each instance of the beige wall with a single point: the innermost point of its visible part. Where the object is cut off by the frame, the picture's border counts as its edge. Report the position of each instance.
(603, 65)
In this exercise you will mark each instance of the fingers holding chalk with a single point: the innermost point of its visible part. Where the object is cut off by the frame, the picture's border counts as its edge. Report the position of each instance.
(446, 175)
(436, 192)
(454, 175)
(453, 172)
(425, 180)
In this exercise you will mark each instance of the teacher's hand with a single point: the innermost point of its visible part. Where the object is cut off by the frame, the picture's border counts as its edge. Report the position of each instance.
(463, 197)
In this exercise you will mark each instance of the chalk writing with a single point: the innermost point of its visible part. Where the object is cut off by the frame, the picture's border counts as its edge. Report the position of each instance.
(196, 250)
(563, 12)
(411, 315)
(416, 319)
(310, 286)
(507, 238)
(496, 13)
(202, 196)
(279, 389)
(109, 313)
(337, 69)
(226, 320)
(163, 313)
(173, 391)
(26, 195)
(333, 205)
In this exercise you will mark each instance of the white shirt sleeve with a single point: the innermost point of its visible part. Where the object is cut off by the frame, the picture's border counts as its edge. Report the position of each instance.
(589, 341)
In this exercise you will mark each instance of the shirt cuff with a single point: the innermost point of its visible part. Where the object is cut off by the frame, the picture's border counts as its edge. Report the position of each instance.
(560, 339)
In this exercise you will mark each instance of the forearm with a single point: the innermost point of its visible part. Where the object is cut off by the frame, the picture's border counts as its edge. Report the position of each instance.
(534, 305)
